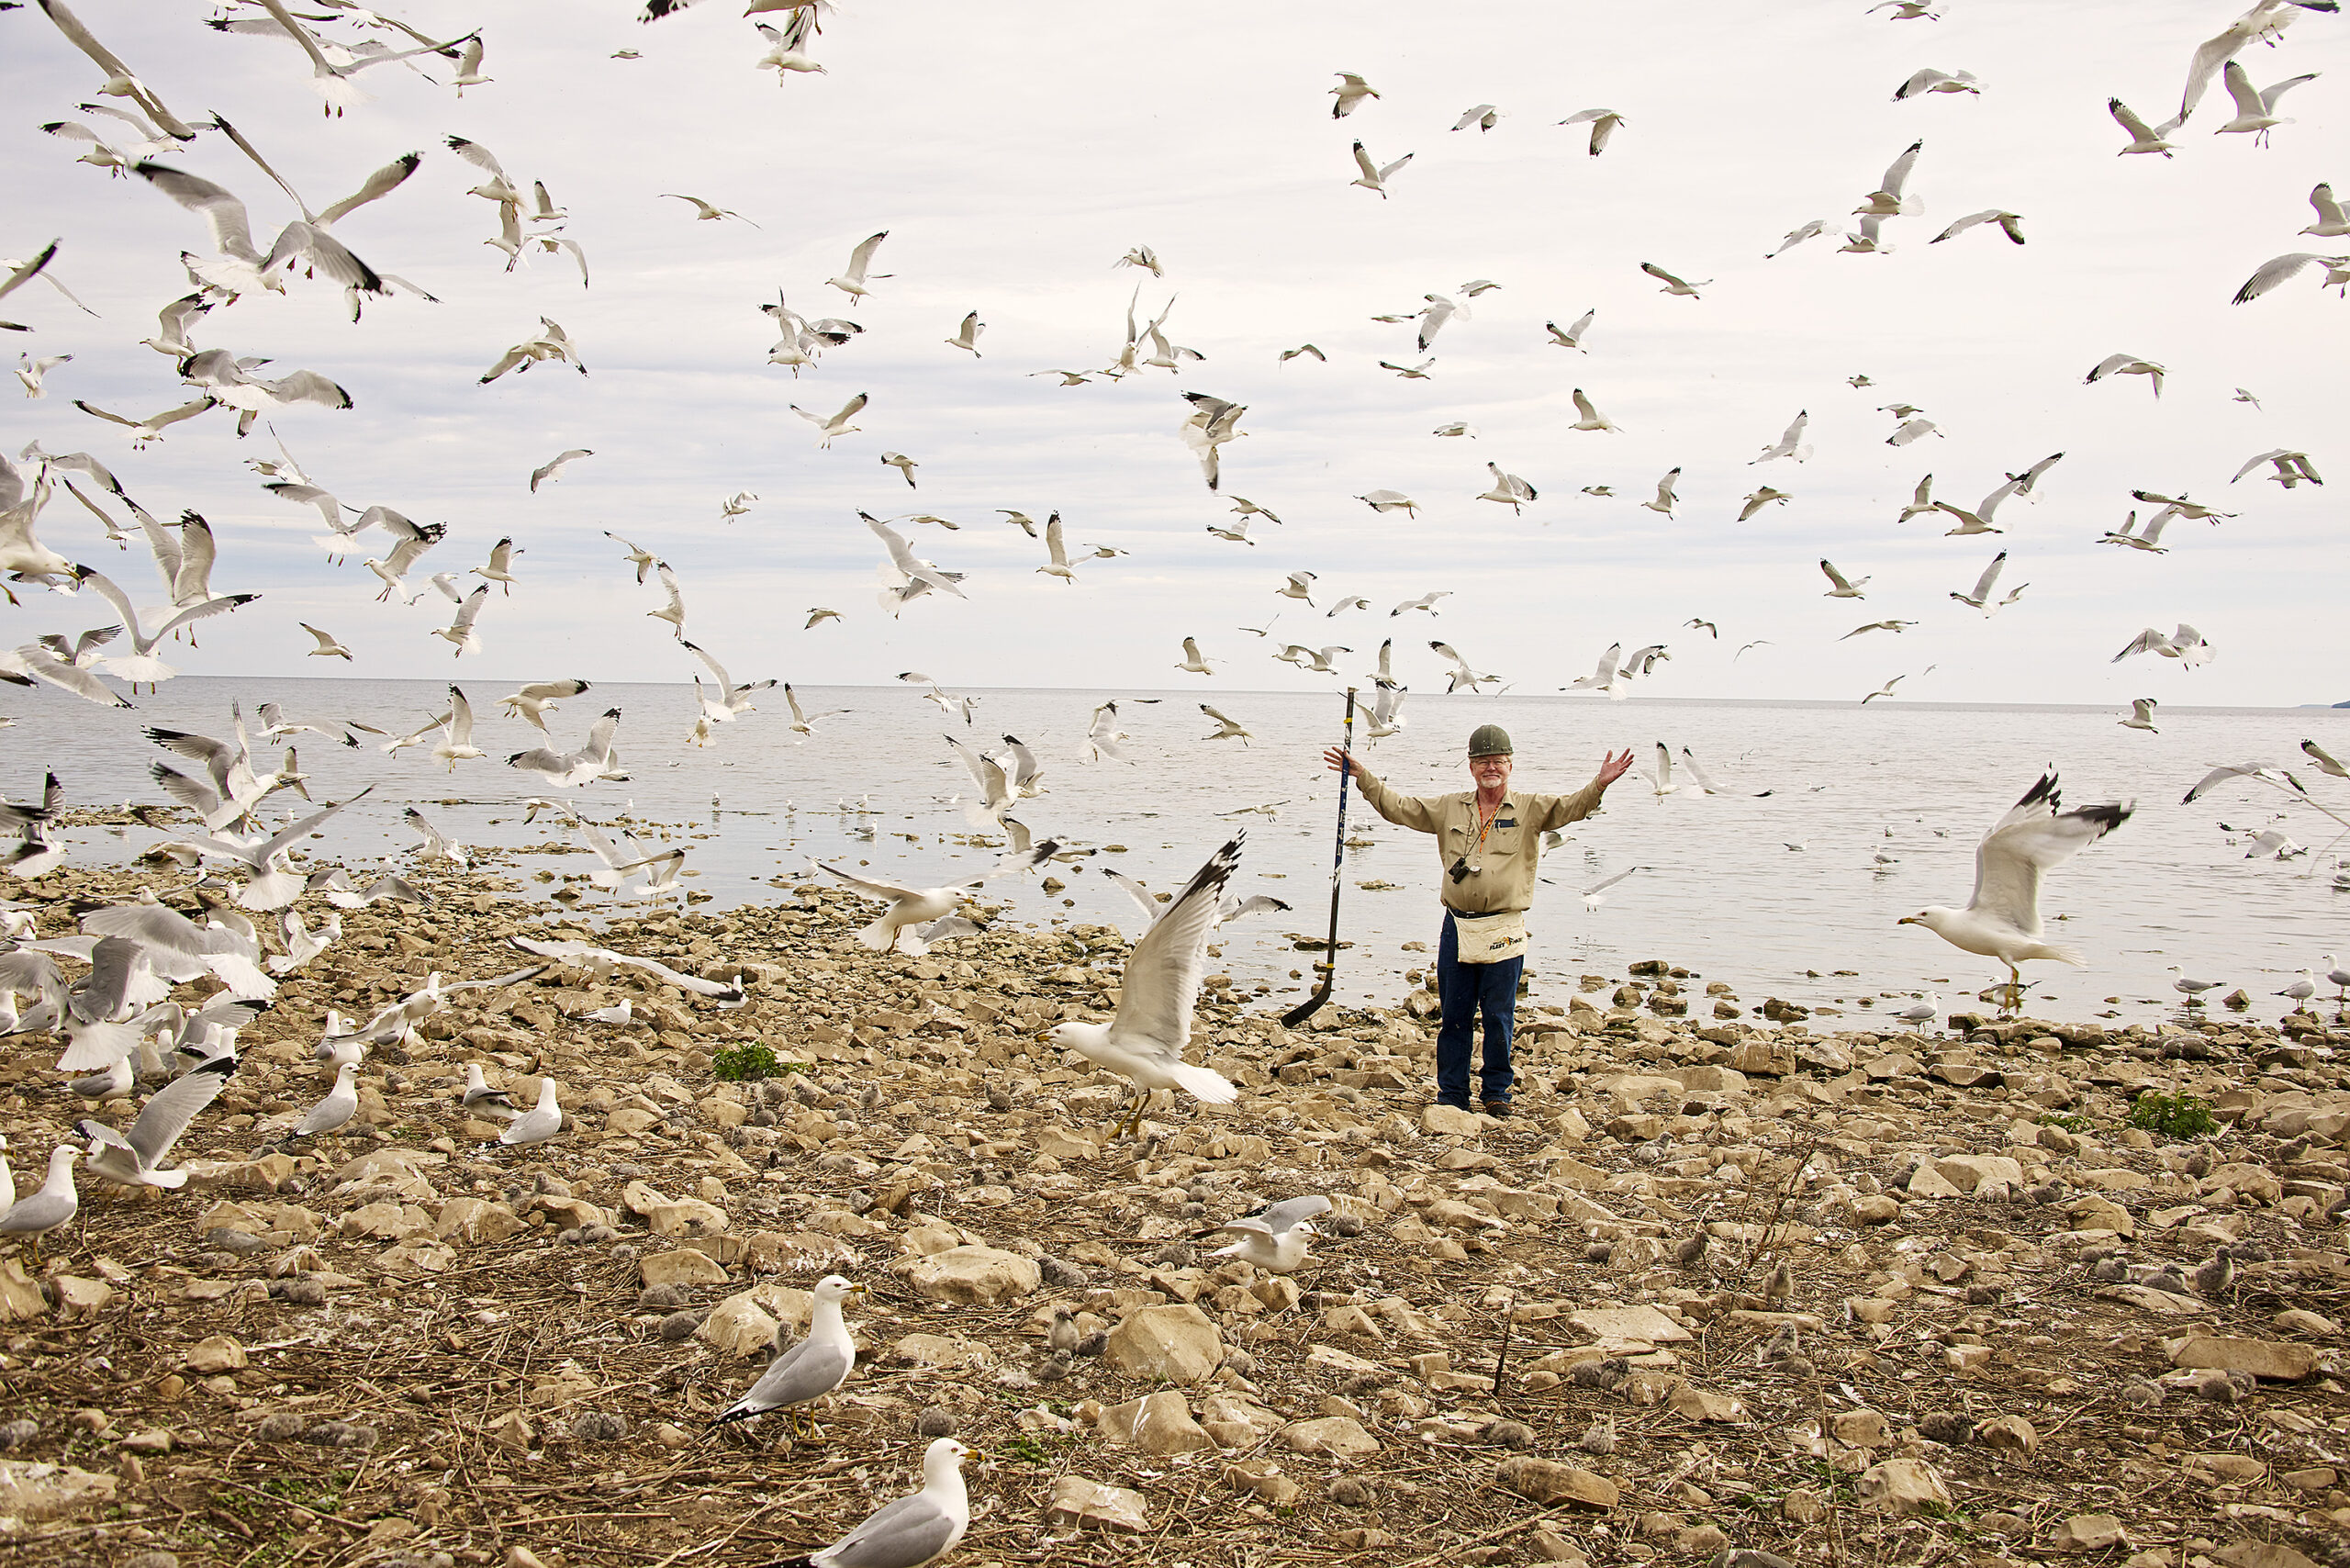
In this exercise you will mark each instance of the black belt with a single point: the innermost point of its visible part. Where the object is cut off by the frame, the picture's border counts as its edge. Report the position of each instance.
(1486, 914)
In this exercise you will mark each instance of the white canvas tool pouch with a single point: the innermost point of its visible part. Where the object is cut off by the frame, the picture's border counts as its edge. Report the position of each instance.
(1491, 939)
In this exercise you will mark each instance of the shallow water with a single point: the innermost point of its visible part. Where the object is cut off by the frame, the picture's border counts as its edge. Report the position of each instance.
(1717, 890)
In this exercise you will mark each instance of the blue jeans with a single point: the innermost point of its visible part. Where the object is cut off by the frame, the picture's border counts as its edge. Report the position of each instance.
(1464, 989)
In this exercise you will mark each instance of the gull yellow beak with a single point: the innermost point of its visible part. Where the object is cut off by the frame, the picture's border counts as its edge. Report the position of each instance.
(1907, 920)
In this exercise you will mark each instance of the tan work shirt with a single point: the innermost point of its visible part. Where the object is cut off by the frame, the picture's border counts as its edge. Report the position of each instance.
(1512, 845)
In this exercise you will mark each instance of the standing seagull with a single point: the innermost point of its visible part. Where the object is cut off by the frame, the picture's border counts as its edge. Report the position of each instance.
(1144, 1042)
(538, 1124)
(2001, 920)
(912, 1531)
(810, 1370)
(55, 1203)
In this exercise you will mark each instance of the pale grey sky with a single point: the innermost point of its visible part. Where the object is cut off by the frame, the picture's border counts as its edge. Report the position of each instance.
(1014, 156)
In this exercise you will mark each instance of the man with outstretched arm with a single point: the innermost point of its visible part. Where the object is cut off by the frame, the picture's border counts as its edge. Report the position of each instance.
(1489, 840)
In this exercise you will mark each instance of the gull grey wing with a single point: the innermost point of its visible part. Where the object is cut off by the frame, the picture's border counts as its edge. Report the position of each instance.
(1162, 974)
(169, 1109)
(907, 1532)
(808, 1371)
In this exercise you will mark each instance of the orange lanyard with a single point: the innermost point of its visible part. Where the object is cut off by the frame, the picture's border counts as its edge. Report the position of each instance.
(1485, 823)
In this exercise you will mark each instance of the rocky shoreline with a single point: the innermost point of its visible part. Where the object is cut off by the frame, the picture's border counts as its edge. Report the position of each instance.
(1718, 1285)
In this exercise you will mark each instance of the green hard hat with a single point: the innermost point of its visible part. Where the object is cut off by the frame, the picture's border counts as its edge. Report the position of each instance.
(1490, 740)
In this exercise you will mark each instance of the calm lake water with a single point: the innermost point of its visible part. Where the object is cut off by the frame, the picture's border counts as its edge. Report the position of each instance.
(1719, 889)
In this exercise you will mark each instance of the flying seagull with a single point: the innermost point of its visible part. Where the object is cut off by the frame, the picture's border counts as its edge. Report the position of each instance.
(1145, 1040)
(2001, 920)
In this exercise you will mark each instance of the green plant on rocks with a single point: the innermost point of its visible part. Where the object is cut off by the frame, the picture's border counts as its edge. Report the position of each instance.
(753, 1060)
(2173, 1116)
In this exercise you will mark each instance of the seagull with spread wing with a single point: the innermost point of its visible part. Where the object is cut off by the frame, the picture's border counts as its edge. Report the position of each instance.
(1373, 176)
(2001, 920)
(1145, 1040)
(1986, 585)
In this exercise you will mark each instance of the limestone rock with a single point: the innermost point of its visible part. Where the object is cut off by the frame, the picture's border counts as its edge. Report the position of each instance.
(2089, 1533)
(939, 1350)
(1549, 1483)
(217, 1354)
(1928, 1181)
(1968, 1171)
(1627, 1327)
(1089, 1505)
(1263, 1480)
(1065, 1146)
(1180, 1344)
(20, 1294)
(1342, 1436)
(738, 1326)
(1862, 1428)
(1697, 1405)
(1158, 1423)
(2262, 1554)
(78, 1297)
(1451, 1121)
(684, 1267)
(31, 1491)
(2276, 1360)
(688, 1218)
(1902, 1486)
(2011, 1432)
(971, 1276)
(1712, 1080)
(511, 1430)
(474, 1222)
